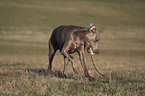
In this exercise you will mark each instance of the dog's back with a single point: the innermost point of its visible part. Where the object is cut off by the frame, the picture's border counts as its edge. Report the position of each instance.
(63, 32)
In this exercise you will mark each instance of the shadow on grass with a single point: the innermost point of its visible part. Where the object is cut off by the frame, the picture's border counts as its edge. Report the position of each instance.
(55, 73)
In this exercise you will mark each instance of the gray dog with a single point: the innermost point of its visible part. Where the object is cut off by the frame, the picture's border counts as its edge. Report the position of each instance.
(70, 39)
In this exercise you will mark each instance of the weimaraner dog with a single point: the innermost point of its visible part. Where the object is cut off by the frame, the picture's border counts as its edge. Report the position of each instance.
(70, 39)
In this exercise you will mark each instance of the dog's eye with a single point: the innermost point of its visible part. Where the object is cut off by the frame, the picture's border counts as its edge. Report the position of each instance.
(96, 40)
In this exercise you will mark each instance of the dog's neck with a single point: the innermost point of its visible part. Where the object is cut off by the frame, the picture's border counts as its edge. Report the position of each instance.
(90, 36)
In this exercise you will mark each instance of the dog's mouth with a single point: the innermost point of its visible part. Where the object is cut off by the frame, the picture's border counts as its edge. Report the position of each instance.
(90, 51)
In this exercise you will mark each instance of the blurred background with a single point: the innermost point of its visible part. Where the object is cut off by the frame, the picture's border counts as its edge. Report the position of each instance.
(120, 22)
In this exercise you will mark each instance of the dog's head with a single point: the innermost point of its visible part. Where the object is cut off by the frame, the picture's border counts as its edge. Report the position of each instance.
(93, 38)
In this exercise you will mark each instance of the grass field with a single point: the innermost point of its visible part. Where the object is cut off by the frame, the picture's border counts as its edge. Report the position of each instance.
(26, 25)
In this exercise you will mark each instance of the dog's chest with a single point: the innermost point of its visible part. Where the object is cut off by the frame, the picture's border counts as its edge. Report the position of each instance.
(75, 46)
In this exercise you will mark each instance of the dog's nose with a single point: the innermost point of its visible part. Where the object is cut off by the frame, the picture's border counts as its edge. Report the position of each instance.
(96, 51)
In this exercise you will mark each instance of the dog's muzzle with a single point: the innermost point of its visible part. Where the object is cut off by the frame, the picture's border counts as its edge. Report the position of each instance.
(96, 51)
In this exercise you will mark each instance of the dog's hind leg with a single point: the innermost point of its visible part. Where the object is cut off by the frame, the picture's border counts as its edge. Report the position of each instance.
(52, 50)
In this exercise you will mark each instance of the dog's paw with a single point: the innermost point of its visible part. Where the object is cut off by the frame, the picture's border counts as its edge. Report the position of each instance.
(91, 79)
(49, 74)
(76, 71)
(65, 75)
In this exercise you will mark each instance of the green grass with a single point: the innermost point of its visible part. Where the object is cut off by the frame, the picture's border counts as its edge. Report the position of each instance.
(26, 25)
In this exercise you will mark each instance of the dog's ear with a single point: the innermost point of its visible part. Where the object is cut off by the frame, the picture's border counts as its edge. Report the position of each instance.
(92, 24)
(92, 28)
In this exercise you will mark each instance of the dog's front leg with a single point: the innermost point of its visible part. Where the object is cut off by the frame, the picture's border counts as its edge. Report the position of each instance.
(66, 61)
(83, 63)
(70, 58)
